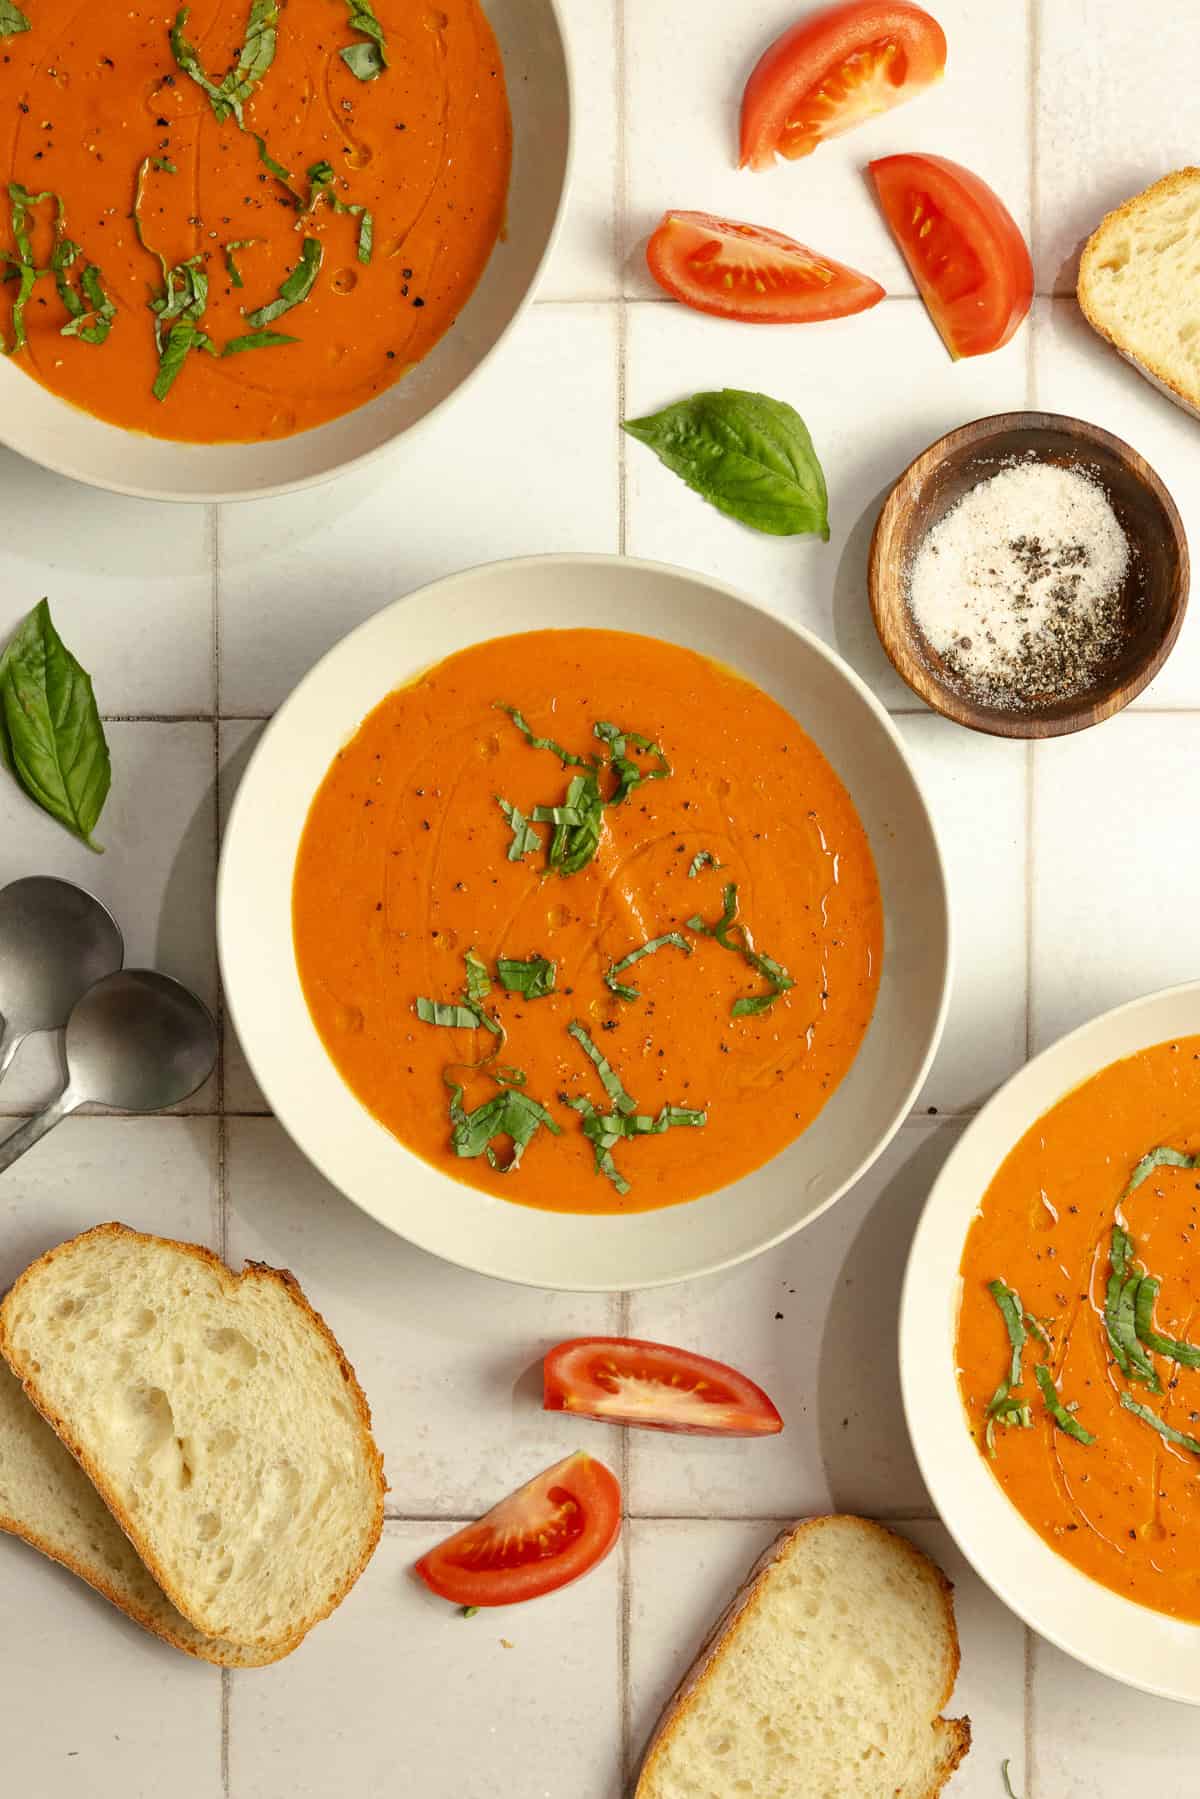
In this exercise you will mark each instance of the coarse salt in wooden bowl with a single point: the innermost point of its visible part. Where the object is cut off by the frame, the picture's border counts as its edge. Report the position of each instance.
(1152, 597)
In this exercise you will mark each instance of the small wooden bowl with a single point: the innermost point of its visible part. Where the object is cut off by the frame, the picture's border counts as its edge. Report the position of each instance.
(1158, 573)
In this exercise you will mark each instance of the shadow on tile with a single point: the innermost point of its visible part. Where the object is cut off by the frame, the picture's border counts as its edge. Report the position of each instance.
(853, 627)
(859, 1409)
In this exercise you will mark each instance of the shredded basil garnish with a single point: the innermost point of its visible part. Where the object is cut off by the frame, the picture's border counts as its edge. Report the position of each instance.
(735, 937)
(629, 774)
(237, 243)
(295, 288)
(703, 859)
(1160, 1424)
(91, 327)
(257, 340)
(1186, 1354)
(369, 59)
(635, 955)
(524, 838)
(510, 1113)
(1069, 1425)
(604, 1130)
(448, 1012)
(12, 19)
(1004, 1777)
(321, 179)
(578, 823)
(1120, 1313)
(610, 1080)
(568, 758)
(254, 59)
(468, 1013)
(479, 983)
(268, 161)
(534, 978)
(1162, 1157)
(1006, 1407)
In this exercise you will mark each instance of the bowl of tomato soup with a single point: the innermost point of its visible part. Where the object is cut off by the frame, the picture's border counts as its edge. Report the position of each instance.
(584, 923)
(249, 244)
(1050, 1343)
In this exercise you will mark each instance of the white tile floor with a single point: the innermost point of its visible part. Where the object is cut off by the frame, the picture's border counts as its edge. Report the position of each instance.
(196, 624)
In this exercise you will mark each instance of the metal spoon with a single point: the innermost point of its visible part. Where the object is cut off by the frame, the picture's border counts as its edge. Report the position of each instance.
(137, 1041)
(56, 941)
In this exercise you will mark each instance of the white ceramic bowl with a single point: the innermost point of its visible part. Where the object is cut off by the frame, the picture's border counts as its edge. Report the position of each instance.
(1097, 1626)
(37, 424)
(355, 1152)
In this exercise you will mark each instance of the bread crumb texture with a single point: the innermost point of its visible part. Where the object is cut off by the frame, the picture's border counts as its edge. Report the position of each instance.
(217, 1417)
(823, 1681)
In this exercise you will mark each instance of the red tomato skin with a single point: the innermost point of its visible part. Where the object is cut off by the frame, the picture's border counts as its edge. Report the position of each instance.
(819, 45)
(592, 1486)
(847, 291)
(565, 1388)
(993, 233)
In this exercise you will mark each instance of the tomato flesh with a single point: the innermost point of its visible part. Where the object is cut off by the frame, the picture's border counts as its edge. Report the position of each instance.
(547, 1534)
(963, 247)
(752, 273)
(834, 69)
(622, 1380)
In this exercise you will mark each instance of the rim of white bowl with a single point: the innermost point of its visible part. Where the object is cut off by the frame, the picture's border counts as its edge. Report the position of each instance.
(1025, 1564)
(63, 465)
(292, 1121)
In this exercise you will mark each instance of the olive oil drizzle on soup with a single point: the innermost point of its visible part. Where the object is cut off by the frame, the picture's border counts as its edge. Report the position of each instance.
(1093, 1221)
(202, 233)
(719, 1044)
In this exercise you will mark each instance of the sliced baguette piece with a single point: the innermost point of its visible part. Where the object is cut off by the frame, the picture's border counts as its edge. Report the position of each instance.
(217, 1418)
(1139, 284)
(822, 1680)
(47, 1500)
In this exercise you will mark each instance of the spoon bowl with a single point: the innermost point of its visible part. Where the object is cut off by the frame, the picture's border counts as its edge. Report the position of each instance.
(56, 941)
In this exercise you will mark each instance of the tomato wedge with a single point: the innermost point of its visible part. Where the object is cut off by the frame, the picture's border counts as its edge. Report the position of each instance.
(624, 1381)
(834, 69)
(541, 1537)
(963, 246)
(752, 273)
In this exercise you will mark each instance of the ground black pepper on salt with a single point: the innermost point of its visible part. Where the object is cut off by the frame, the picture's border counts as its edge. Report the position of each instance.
(1020, 588)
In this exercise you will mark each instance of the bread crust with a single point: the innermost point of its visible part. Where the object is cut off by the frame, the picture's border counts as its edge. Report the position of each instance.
(955, 1732)
(230, 1282)
(1176, 182)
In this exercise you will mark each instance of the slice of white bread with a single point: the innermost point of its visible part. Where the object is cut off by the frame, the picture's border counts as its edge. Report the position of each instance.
(47, 1499)
(216, 1416)
(1139, 284)
(822, 1680)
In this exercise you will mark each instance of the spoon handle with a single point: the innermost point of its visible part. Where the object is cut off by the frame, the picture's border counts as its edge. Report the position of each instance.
(10, 1043)
(26, 1135)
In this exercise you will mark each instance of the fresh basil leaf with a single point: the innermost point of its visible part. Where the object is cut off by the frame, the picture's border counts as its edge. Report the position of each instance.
(437, 1011)
(702, 859)
(268, 161)
(1062, 1417)
(180, 341)
(610, 1080)
(604, 1130)
(257, 340)
(91, 327)
(534, 978)
(1186, 1354)
(1120, 1313)
(736, 938)
(510, 1113)
(1013, 1315)
(187, 58)
(1162, 1157)
(1140, 1366)
(746, 454)
(635, 955)
(295, 288)
(237, 243)
(1159, 1424)
(367, 60)
(577, 831)
(1004, 1777)
(629, 773)
(62, 258)
(254, 59)
(1010, 1411)
(26, 282)
(12, 19)
(478, 981)
(524, 838)
(366, 232)
(53, 737)
(568, 758)
(467, 1611)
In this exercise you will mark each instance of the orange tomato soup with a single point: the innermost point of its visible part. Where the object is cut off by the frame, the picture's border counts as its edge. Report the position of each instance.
(1125, 1507)
(405, 865)
(96, 97)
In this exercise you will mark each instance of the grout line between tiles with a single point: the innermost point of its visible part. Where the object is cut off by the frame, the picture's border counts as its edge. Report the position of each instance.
(226, 1690)
(1029, 1714)
(1034, 44)
(620, 213)
(910, 1515)
(1030, 822)
(624, 1588)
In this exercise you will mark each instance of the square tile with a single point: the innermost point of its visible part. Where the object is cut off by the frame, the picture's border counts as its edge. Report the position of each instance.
(873, 391)
(1077, 372)
(399, 1695)
(522, 463)
(683, 1574)
(977, 790)
(155, 1174)
(583, 265)
(1115, 871)
(1093, 1739)
(687, 62)
(450, 1361)
(1116, 104)
(92, 1707)
(240, 1091)
(129, 584)
(813, 1322)
(159, 832)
